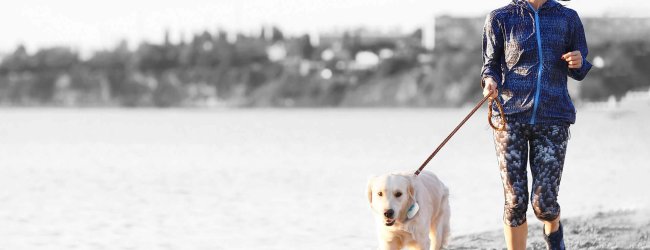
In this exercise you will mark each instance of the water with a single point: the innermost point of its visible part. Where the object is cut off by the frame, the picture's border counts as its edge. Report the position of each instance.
(271, 179)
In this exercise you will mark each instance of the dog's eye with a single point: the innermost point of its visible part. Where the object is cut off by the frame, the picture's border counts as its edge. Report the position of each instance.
(380, 194)
(398, 194)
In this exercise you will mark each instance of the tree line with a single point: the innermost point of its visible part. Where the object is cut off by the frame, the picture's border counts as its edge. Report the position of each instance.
(358, 67)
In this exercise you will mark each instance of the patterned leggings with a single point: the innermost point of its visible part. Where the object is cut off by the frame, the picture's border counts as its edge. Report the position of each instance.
(547, 145)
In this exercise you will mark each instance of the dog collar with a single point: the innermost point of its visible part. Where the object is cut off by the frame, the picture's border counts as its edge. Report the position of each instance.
(413, 210)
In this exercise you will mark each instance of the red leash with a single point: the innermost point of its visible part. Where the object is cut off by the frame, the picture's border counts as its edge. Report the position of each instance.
(501, 128)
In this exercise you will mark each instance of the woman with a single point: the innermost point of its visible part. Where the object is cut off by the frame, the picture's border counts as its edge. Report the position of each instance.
(529, 49)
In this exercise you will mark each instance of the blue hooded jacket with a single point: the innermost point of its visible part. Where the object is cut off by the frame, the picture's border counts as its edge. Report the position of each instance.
(522, 52)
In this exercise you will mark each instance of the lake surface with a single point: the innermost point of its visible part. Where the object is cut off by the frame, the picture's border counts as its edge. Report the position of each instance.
(272, 179)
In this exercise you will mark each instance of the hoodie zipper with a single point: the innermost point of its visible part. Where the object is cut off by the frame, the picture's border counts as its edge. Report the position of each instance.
(541, 63)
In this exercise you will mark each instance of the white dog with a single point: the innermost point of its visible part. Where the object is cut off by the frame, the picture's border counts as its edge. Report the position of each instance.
(411, 211)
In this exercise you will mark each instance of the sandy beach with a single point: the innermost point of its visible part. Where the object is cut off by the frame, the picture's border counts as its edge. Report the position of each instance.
(604, 230)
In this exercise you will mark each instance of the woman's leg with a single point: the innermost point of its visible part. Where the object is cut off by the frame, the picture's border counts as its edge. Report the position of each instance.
(516, 236)
(551, 226)
(547, 153)
(512, 152)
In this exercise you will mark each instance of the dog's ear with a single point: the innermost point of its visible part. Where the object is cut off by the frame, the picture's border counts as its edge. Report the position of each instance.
(410, 199)
(369, 188)
(414, 207)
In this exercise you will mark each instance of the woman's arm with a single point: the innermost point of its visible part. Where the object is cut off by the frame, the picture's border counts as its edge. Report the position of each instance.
(579, 44)
(492, 49)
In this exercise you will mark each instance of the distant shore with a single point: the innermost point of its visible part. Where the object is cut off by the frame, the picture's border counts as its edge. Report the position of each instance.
(605, 230)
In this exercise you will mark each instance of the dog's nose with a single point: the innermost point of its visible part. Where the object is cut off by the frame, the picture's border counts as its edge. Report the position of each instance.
(389, 213)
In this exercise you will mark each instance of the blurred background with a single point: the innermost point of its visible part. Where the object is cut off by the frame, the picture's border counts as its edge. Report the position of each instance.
(256, 124)
(283, 53)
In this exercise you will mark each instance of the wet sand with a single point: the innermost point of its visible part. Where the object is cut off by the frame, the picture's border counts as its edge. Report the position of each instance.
(606, 230)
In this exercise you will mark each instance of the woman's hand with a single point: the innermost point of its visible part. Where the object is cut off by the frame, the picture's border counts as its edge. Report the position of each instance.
(574, 58)
(490, 85)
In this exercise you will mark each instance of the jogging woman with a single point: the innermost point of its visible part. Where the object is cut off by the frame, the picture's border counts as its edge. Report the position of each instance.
(529, 49)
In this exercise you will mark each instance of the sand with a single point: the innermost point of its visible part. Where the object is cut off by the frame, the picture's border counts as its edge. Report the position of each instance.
(604, 230)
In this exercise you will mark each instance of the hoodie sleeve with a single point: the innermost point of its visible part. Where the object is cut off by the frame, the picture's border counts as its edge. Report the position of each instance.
(492, 49)
(579, 42)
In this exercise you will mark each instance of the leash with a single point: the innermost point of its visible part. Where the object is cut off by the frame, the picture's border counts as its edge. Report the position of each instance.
(501, 128)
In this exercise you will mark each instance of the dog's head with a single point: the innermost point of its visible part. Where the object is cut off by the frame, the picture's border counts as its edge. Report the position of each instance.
(390, 197)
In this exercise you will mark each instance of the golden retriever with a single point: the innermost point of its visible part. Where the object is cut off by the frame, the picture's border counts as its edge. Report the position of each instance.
(410, 211)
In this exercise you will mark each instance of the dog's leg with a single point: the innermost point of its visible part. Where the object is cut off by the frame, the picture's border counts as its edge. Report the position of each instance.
(423, 243)
(389, 245)
(439, 233)
(444, 220)
(436, 229)
(435, 234)
(438, 236)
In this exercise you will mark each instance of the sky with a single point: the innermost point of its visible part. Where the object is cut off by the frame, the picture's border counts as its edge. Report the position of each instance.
(91, 25)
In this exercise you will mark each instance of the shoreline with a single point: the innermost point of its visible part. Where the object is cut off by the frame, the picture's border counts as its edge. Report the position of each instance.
(620, 229)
